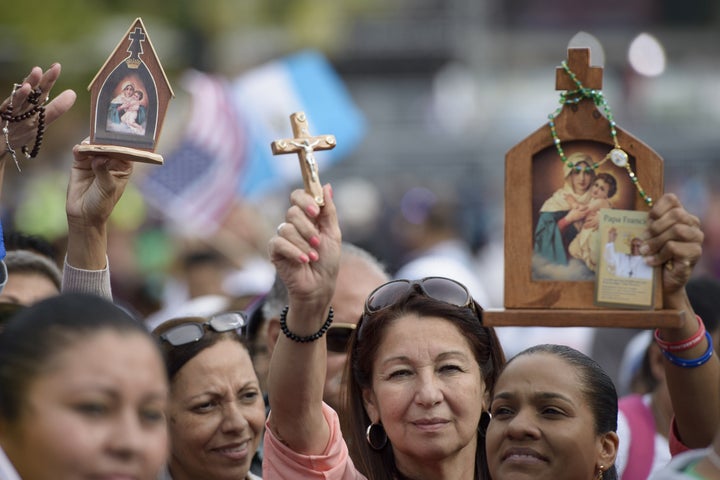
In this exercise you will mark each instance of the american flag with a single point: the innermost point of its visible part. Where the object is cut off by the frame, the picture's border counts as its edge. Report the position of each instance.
(225, 151)
(196, 186)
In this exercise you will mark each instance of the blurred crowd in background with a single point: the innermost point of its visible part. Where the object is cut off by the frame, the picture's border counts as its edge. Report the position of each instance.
(431, 95)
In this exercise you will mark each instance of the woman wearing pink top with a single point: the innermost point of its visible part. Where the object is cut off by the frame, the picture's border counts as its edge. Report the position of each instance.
(421, 365)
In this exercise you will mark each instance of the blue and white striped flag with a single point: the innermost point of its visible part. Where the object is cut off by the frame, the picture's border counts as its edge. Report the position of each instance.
(224, 154)
(267, 96)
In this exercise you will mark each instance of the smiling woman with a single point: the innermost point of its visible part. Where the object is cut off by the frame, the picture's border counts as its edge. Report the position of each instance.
(554, 416)
(216, 411)
(82, 393)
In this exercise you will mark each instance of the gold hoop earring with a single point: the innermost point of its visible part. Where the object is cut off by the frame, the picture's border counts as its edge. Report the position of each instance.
(600, 473)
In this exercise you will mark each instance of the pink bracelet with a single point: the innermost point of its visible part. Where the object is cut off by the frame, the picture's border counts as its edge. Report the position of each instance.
(682, 344)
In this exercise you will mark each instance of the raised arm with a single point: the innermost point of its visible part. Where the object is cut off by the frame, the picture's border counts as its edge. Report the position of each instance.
(675, 241)
(24, 132)
(95, 186)
(306, 254)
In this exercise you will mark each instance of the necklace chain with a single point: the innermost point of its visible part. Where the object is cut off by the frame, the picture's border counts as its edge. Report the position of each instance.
(617, 155)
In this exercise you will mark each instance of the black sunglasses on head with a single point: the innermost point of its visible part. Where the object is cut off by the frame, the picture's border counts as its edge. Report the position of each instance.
(438, 288)
(441, 289)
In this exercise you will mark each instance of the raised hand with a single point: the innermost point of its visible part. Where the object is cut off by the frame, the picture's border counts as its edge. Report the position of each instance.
(96, 184)
(674, 240)
(36, 83)
(612, 234)
(306, 249)
(306, 254)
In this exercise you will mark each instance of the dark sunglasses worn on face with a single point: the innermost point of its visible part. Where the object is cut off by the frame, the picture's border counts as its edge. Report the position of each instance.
(193, 331)
(437, 288)
(338, 336)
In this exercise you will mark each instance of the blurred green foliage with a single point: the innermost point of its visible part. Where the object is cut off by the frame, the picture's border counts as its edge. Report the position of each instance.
(40, 31)
(224, 36)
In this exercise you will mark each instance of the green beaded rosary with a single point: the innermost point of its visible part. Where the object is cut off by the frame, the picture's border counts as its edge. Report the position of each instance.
(617, 155)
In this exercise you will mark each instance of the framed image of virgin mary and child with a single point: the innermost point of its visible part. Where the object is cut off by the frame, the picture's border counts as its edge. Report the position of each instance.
(129, 98)
(566, 201)
(127, 109)
(550, 248)
(546, 203)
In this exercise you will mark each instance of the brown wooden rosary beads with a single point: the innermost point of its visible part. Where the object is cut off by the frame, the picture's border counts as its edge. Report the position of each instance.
(39, 109)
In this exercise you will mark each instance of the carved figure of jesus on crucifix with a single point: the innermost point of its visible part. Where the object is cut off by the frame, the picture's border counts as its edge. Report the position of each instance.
(305, 145)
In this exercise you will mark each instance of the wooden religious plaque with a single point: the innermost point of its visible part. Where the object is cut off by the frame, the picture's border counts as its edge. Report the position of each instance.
(129, 98)
(546, 281)
(305, 145)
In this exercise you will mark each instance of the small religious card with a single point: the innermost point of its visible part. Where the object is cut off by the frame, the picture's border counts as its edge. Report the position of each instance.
(623, 278)
(129, 98)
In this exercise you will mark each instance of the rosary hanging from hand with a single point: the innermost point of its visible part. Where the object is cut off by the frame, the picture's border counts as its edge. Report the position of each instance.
(617, 155)
(37, 108)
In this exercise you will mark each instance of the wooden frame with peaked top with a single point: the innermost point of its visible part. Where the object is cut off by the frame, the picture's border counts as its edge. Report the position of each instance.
(555, 302)
(129, 97)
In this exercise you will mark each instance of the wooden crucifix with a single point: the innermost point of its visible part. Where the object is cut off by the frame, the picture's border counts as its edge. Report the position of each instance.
(552, 292)
(305, 145)
(579, 63)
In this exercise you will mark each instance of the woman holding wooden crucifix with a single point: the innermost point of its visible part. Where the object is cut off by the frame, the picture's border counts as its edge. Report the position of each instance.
(422, 367)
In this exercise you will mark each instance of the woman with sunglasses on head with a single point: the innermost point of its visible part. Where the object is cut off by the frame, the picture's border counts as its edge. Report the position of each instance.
(216, 411)
(421, 366)
(83, 393)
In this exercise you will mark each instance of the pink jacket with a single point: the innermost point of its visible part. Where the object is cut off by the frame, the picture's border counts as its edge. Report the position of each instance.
(281, 462)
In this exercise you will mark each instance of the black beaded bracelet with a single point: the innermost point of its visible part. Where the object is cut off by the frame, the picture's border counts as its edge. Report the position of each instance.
(309, 338)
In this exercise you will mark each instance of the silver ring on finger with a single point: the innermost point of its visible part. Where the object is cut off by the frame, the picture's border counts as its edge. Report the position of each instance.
(279, 227)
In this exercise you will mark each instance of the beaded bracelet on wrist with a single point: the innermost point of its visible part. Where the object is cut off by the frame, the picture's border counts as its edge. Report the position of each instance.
(309, 338)
(692, 362)
(682, 345)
